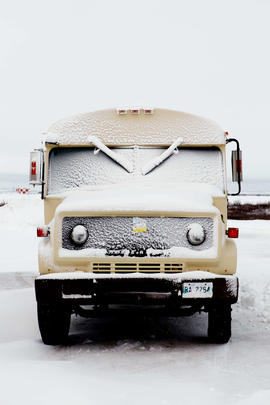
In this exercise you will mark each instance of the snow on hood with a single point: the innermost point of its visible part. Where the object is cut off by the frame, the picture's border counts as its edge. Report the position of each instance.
(182, 197)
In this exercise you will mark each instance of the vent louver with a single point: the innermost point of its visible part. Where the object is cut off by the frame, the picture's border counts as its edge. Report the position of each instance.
(130, 267)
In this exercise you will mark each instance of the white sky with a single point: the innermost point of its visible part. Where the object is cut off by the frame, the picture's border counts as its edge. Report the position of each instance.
(61, 57)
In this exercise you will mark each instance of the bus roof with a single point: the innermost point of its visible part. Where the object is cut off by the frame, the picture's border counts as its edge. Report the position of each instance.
(161, 127)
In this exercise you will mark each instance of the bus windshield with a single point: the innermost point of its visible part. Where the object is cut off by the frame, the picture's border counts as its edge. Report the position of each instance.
(73, 167)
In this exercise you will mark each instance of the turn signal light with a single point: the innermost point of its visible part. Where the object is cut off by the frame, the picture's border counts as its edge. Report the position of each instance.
(233, 232)
(43, 231)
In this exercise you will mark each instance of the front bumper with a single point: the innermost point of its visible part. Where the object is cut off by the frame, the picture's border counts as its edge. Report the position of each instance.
(81, 288)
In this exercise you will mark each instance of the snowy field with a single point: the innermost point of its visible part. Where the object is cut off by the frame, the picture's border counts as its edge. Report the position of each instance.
(249, 199)
(130, 361)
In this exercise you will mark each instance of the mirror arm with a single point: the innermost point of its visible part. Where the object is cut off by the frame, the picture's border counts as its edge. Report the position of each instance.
(238, 158)
(42, 179)
(42, 170)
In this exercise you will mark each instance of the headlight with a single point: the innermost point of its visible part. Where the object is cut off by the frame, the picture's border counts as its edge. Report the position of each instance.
(79, 234)
(195, 234)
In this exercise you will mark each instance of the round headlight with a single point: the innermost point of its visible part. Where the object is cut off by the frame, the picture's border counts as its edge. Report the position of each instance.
(195, 234)
(79, 234)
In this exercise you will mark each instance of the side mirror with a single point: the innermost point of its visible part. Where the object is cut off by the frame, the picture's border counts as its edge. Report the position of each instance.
(36, 168)
(237, 174)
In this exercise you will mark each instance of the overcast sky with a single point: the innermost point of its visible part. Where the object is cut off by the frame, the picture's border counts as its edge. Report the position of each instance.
(61, 57)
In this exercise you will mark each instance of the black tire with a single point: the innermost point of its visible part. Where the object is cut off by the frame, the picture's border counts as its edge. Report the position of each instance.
(219, 323)
(54, 323)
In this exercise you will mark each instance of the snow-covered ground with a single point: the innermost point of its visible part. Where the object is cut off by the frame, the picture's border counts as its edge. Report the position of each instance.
(249, 199)
(19, 219)
(130, 361)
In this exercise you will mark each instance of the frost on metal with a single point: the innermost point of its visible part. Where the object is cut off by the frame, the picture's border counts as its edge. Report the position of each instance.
(51, 137)
(76, 167)
(160, 128)
(116, 236)
(185, 276)
(232, 287)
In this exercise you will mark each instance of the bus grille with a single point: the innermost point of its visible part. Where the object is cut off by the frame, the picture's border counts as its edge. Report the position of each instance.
(137, 267)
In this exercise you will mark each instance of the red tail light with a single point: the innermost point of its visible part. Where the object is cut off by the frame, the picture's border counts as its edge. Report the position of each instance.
(43, 231)
(233, 232)
(34, 168)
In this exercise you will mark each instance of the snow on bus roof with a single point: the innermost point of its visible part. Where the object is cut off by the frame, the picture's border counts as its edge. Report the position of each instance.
(160, 128)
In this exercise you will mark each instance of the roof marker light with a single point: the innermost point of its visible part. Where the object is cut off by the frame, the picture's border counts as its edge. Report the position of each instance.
(122, 111)
(135, 111)
(148, 111)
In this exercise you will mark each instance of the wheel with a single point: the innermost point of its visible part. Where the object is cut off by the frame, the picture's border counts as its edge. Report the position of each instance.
(219, 323)
(54, 322)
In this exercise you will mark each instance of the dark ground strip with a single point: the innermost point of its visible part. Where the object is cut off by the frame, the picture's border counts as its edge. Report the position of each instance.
(249, 211)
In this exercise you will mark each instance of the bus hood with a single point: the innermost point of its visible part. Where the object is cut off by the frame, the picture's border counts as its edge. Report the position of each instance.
(159, 198)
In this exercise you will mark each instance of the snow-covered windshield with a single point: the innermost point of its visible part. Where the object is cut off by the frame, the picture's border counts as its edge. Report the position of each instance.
(86, 166)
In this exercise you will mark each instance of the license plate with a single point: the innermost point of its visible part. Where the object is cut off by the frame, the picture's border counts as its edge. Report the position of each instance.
(197, 290)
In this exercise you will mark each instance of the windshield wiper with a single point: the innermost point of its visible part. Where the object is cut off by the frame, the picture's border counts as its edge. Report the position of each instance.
(118, 158)
(158, 160)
